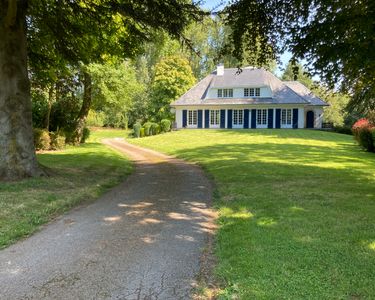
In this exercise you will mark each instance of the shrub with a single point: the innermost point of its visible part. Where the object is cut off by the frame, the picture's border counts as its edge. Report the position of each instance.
(85, 135)
(137, 130)
(142, 132)
(158, 129)
(42, 140)
(343, 130)
(165, 125)
(363, 133)
(147, 127)
(57, 140)
(95, 118)
(154, 129)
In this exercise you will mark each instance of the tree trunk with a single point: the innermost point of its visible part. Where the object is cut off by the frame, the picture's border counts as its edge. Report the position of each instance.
(17, 153)
(86, 104)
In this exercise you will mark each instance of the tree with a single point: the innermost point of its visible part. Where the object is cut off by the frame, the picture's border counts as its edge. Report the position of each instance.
(295, 71)
(335, 37)
(173, 77)
(72, 39)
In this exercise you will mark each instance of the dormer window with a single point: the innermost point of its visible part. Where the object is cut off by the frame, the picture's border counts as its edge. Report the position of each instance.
(225, 93)
(251, 92)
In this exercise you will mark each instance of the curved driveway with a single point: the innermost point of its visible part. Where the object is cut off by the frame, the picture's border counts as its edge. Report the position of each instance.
(141, 240)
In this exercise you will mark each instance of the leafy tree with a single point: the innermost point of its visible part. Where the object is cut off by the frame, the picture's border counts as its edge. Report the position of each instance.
(335, 37)
(173, 77)
(115, 89)
(296, 72)
(72, 24)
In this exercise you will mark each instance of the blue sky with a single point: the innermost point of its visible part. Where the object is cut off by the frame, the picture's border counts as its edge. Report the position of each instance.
(210, 4)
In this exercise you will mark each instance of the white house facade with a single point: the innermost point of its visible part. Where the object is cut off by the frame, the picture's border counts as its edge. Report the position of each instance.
(253, 98)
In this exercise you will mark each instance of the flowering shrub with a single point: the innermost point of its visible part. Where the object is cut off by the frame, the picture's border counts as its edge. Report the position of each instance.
(363, 131)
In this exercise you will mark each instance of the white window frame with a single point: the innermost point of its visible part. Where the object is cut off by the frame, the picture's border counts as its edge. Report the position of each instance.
(192, 118)
(215, 118)
(257, 92)
(262, 118)
(246, 92)
(237, 118)
(286, 118)
(227, 93)
(220, 93)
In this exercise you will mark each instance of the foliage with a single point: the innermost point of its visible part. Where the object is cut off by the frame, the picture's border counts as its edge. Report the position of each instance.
(147, 127)
(165, 125)
(95, 118)
(114, 90)
(336, 38)
(57, 140)
(39, 107)
(309, 205)
(85, 135)
(154, 129)
(42, 139)
(142, 132)
(173, 77)
(137, 130)
(343, 129)
(294, 71)
(363, 132)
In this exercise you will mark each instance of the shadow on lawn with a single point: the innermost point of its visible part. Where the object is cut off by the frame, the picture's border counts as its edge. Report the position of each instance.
(296, 220)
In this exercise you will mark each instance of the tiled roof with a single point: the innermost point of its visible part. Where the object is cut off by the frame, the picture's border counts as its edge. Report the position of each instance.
(249, 77)
(302, 90)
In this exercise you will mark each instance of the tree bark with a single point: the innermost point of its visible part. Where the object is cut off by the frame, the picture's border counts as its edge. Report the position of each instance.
(86, 105)
(17, 153)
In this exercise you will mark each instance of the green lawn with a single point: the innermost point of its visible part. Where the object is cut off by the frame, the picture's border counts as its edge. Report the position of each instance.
(297, 211)
(78, 175)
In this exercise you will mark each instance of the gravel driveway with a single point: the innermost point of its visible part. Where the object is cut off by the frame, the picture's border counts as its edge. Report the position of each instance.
(141, 240)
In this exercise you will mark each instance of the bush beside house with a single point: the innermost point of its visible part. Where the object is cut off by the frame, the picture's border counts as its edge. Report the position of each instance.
(364, 133)
(151, 128)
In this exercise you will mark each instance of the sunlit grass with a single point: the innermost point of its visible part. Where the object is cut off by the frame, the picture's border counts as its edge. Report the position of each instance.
(297, 210)
(77, 175)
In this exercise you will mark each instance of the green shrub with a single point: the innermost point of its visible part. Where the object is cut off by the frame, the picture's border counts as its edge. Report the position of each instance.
(147, 127)
(153, 129)
(142, 132)
(57, 140)
(137, 130)
(42, 140)
(85, 135)
(343, 130)
(165, 125)
(158, 129)
(95, 118)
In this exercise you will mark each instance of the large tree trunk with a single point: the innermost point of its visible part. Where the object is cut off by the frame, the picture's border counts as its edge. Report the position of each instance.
(86, 105)
(17, 153)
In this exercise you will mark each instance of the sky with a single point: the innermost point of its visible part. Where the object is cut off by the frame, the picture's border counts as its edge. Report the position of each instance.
(284, 58)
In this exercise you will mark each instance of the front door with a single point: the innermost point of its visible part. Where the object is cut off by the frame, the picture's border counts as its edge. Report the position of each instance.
(310, 119)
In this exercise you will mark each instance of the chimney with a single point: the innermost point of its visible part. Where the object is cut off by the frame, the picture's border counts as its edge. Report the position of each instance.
(220, 70)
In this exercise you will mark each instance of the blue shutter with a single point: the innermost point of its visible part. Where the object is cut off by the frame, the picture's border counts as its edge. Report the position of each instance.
(270, 118)
(207, 118)
(246, 118)
(253, 118)
(184, 118)
(200, 121)
(278, 118)
(222, 118)
(230, 118)
(295, 118)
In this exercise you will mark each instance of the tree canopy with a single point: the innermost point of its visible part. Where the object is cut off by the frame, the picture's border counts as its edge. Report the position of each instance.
(335, 37)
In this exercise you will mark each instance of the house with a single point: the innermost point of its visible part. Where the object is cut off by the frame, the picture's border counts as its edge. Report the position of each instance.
(253, 98)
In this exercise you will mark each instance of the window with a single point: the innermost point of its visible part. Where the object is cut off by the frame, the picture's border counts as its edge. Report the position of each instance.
(251, 92)
(262, 117)
(286, 117)
(192, 117)
(226, 93)
(214, 117)
(237, 117)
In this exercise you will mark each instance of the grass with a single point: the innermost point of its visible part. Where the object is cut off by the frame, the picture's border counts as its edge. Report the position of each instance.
(78, 175)
(297, 211)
